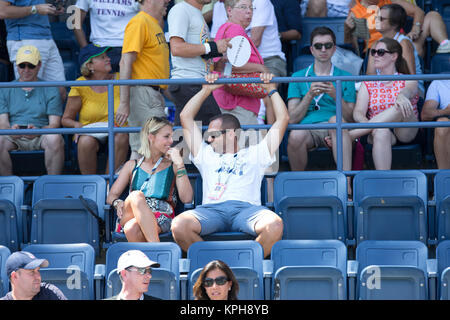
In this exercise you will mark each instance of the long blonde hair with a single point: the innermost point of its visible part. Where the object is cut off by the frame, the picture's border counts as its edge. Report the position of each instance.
(153, 125)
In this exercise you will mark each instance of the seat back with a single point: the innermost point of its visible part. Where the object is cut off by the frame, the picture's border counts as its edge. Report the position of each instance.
(167, 254)
(443, 265)
(442, 198)
(312, 204)
(440, 62)
(8, 225)
(246, 255)
(71, 267)
(71, 187)
(12, 189)
(392, 270)
(441, 6)
(310, 23)
(309, 269)
(4, 281)
(390, 205)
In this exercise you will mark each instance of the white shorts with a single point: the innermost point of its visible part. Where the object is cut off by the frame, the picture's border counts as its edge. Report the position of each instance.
(52, 68)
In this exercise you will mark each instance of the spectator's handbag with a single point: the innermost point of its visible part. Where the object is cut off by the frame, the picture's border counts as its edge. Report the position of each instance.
(254, 90)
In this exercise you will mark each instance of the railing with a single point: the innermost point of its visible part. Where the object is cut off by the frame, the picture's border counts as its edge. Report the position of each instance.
(339, 125)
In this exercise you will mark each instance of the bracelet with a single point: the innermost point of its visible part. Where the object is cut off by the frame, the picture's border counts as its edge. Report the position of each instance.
(272, 92)
(207, 48)
(181, 173)
(213, 53)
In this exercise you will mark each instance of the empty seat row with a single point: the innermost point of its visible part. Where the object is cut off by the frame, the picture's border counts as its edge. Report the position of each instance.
(298, 269)
(386, 205)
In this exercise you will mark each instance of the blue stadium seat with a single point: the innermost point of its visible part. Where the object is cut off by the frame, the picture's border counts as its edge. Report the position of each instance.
(309, 270)
(441, 6)
(392, 270)
(59, 216)
(390, 205)
(440, 63)
(303, 61)
(65, 41)
(313, 205)
(443, 266)
(71, 268)
(14, 230)
(4, 281)
(244, 257)
(442, 199)
(165, 282)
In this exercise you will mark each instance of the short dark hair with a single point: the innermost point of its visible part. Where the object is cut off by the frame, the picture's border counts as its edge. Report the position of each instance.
(322, 31)
(397, 15)
(229, 121)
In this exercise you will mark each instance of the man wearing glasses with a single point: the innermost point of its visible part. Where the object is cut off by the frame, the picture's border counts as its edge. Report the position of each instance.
(315, 102)
(31, 108)
(135, 271)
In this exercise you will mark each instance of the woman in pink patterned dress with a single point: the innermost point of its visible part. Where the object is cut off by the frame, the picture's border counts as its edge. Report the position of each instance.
(386, 101)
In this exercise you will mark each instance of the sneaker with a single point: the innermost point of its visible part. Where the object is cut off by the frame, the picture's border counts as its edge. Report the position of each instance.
(444, 48)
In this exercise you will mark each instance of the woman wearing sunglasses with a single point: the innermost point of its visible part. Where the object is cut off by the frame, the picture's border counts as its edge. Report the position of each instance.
(149, 208)
(386, 101)
(216, 282)
(389, 22)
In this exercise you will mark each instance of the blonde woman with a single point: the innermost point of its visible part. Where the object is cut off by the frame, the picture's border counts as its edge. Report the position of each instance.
(149, 208)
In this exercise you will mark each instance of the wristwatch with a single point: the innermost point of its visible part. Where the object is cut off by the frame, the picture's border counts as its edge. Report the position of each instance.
(33, 9)
(418, 24)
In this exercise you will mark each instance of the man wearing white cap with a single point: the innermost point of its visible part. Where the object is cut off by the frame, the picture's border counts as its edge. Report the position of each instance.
(31, 108)
(22, 269)
(135, 271)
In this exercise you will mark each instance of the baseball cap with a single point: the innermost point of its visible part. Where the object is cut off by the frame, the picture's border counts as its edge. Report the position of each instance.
(135, 258)
(90, 51)
(29, 54)
(23, 260)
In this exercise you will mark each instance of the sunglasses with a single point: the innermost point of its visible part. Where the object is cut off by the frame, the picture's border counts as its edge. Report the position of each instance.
(24, 65)
(327, 45)
(245, 8)
(141, 271)
(379, 52)
(220, 281)
(214, 134)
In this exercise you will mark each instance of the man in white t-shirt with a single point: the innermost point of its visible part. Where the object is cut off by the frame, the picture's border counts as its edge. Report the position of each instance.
(231, 175)
(108, 21)
(437, 108)
(192, 52)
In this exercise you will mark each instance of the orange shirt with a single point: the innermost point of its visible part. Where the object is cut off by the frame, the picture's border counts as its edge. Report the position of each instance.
(369, 14)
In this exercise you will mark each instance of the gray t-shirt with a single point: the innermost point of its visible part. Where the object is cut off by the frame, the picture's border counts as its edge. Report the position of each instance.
(32, 107)
(187, 22)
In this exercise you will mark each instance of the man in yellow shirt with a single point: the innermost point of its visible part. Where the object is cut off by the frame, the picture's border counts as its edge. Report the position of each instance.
(145, 55)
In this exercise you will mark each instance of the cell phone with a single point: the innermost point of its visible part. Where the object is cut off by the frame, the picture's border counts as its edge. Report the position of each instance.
(23, 127)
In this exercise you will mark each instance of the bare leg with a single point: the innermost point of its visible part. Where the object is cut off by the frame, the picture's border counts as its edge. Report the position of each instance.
(442, 146)
(133, 231)
(5, 159)
(433, 26)
(87, 154)
(53, 145)
(269, 230)
(135, 206)
(186, 230)
(299, 142)
(317, 8)
(383, 139)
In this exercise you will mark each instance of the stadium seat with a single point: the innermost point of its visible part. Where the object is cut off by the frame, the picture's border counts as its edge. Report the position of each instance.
(65, 41)
(392, 270)
(390, 205)
(309, 270)
(165, 282)
(59, 216)
(440, 63)
(442, 199)
(313, 205)
(441, 6)
(71, 268)
(4, 281)
(443, 268)
(244, 257)
(13, 213)
(303, 61)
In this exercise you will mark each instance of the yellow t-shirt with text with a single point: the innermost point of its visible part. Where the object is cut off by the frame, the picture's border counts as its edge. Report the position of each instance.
(144, 35)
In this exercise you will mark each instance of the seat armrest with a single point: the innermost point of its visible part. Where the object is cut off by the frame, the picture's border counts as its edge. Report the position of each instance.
(352, 268)
(99, 271)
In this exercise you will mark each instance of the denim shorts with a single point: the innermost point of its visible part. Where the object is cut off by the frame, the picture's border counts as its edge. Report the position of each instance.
(237, 216)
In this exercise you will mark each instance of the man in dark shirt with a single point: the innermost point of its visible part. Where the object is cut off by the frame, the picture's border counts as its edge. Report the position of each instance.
(22, 269)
